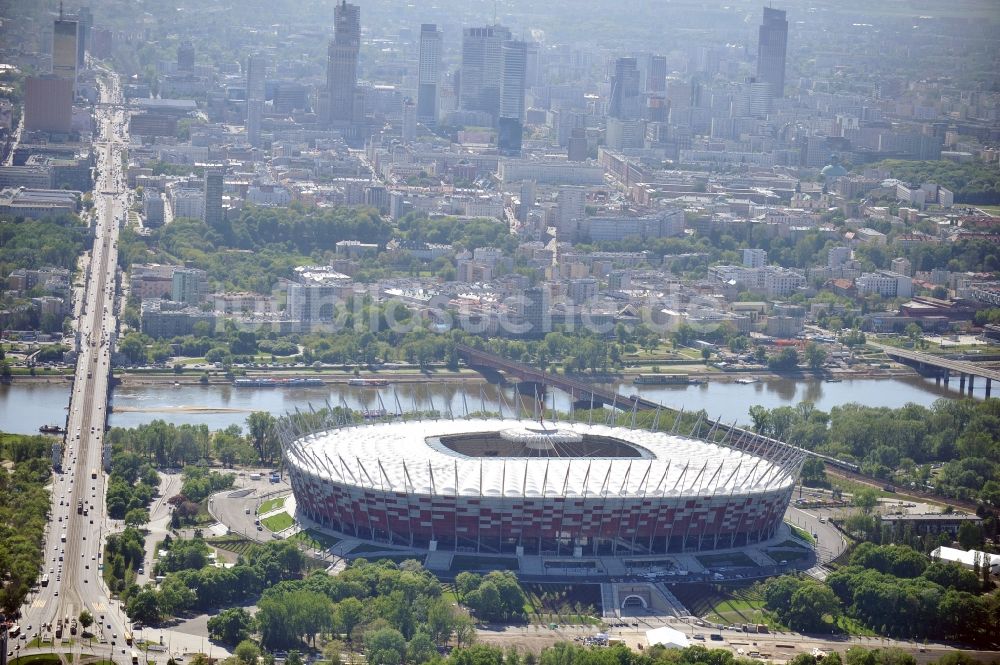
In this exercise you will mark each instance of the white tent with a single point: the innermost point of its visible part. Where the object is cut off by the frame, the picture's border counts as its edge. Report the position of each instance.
(967, 559)
(668, 637)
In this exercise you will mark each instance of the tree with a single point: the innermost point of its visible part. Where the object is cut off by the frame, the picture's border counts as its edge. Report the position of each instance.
(466, 583)
(248, 652)
(348, 613)
(137, 517)
(866, 499)
(706, 353)
(332, 651)
(385, 646)
(144, 606)
(969, 535)
(421, 648)
(813, 471)
(262, 434)
(465, 630)
(230, 626)
(810, 605)
(86, 619)
(815, 355)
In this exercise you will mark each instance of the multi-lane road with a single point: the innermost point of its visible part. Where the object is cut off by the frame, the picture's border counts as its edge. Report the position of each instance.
(79, 523)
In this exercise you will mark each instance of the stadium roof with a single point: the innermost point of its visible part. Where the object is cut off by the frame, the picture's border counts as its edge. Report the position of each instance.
(421, 457)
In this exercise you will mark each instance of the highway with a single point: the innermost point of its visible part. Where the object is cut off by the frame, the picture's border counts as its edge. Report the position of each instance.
(74, 540)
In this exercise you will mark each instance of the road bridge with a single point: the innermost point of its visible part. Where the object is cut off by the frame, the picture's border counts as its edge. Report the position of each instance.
(943, 368)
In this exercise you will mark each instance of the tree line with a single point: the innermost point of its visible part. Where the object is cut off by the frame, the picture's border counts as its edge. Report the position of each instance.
(903, 445)
(192, 584)
(24, 511)
(164, 444)
(895, 591)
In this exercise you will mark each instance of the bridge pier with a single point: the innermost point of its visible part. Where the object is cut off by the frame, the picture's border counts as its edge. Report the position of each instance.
(947, 376)
(961, 383)
(988, 382)
(972, 382)
(492, 376)
(531, 388)
(585, 404)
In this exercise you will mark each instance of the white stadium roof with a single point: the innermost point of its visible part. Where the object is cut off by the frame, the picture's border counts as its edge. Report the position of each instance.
(410, 457)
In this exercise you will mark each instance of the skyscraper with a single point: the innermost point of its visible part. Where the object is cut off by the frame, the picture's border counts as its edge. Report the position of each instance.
(213, 198)
(255, 115)
(772, 45)
(511, 122)
(409, 129)
(342, 62)
(428, 73)
(482, 68)
(656, 74)
(625, 100)
(86, 21)
(64, 51)
(255, 97)
(255, 76)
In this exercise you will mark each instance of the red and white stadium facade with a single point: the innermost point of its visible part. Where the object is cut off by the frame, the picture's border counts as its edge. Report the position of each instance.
(503, 485)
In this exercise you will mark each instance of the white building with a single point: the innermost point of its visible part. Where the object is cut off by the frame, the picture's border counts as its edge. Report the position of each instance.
(754, 258)
(885, 283)
(549, 172)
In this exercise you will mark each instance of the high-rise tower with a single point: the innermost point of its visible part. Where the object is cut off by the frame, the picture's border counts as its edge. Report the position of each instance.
(625, 99)
(214, 186)
(342, 62)
(64, 47)
(772, 46)
(511, 120)
(428, 73)
(482, 68)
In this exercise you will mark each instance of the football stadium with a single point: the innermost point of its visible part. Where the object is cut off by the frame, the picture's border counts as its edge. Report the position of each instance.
(505, 485)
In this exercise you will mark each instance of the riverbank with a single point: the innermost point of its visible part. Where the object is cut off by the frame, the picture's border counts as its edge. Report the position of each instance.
(340, 377)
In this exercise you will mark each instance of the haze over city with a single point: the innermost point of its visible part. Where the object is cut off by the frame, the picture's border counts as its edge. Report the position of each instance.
(499, 333)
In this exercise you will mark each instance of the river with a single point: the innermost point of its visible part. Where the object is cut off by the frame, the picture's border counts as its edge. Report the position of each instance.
(25, 406)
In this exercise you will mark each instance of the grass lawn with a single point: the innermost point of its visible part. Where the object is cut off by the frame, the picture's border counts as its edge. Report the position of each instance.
(278, 522)
(37, 659)
(271, 504)
(739, 607)
(316, 539)
(854, 627)
(851, 487)
(803, 534)
(237, 544)
(730, 559)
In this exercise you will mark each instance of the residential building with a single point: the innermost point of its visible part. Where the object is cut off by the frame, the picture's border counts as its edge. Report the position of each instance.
(164, 318)
(213, 214)
(885, 283)
(754, 258)
(153, 208)
(188, 285)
